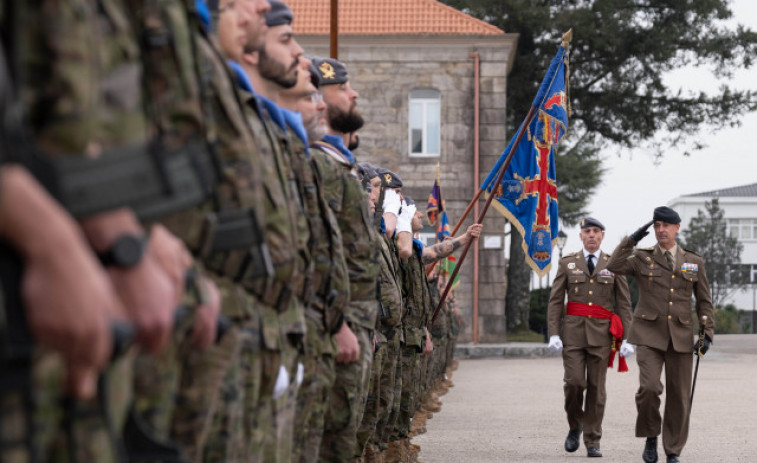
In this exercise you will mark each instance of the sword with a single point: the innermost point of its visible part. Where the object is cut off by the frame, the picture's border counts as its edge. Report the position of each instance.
(699, 356)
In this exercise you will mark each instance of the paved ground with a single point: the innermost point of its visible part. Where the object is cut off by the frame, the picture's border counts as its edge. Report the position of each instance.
(511, 410)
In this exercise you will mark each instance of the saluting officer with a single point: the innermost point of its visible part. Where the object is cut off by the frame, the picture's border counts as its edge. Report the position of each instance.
(668, 276)
(591, 332)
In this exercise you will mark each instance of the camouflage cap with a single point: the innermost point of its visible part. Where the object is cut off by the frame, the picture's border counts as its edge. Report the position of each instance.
(330, 71)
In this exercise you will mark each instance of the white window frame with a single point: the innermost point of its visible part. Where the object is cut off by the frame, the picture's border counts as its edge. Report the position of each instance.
(742, 226)
(424, 101)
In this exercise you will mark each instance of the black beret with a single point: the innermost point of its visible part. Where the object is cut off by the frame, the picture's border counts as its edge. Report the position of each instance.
(330, 71)
(389, 179)
(279, 14)
(667, 215)
(366, 170)
(408, 200)
(587, 222)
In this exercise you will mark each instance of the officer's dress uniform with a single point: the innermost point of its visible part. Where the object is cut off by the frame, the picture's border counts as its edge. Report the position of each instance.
(586, 338)
(662, 329)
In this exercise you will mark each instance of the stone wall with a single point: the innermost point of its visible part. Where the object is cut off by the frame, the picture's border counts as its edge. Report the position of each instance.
(383, 71)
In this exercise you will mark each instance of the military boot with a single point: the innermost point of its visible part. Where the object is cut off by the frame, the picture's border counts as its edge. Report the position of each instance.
(393, 452)
(412, 451)
(372, 454)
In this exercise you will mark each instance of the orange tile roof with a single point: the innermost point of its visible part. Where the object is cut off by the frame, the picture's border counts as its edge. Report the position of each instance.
(369, 17)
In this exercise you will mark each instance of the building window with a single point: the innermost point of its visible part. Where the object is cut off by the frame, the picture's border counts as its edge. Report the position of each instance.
(424, 132)
(742, 229)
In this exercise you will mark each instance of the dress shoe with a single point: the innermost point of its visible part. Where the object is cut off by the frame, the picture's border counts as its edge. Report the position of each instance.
(650, 450)
(571, 442)
(673, 458)
(593, 452)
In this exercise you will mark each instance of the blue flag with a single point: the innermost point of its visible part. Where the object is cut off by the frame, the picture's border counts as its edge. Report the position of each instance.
(443, 230)
(527, 195)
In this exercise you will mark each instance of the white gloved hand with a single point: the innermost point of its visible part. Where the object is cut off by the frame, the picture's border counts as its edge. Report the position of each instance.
(555, 343)
(626, 349)
(282, 383)
(404, 223)
(300, 373)
(392, 202)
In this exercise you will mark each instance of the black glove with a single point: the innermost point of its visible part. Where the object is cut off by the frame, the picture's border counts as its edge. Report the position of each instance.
(705, 345)
(639, 234)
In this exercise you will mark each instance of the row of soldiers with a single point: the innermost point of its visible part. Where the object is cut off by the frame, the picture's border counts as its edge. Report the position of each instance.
(194, 266)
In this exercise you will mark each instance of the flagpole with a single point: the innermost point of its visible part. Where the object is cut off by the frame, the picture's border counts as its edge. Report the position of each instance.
(566, 39)
(334, 30)
(480, 219)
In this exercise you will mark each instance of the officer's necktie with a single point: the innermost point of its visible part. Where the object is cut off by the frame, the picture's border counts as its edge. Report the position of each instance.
(591, 264)
(669, 258)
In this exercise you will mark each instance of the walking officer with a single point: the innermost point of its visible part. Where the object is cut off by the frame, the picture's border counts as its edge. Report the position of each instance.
(668, 276)
(590, 333)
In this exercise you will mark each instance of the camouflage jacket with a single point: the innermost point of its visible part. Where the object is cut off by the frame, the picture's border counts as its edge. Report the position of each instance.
(345, 196)
(417, 300)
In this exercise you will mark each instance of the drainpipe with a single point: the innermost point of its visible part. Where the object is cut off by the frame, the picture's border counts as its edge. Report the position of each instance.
(476, 126)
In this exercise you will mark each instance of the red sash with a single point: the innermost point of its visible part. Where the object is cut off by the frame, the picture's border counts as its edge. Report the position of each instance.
(582, 309)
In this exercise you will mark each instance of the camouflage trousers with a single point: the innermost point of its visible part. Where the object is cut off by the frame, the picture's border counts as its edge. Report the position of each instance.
(228, 408)
(312, 397)
(367, 426)
(411, 360)
(391, 390)
(347, 402)
(38, 424)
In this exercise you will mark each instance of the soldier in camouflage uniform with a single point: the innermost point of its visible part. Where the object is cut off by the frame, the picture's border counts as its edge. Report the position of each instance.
(324, 314)
(78, 44)
(417, 316)
(269, 69)
(345, 195)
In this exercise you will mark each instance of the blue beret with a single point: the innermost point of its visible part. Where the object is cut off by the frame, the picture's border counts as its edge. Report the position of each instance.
(279, 14)
(667, 215)
(587, 222)
(330, 71)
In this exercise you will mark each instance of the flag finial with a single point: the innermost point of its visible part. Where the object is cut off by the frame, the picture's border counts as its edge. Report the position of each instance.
(567, 37)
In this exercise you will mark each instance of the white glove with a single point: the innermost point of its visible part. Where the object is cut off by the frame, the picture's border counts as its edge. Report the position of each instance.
(300, 373)
(282, 382)
(626, 349)
(555, 343)
(404, 223)
(391, 202)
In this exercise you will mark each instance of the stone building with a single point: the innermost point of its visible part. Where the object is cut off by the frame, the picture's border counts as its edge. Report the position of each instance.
(422, 69)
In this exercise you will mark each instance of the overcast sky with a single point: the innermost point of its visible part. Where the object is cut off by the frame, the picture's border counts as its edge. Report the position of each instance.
(633, 184)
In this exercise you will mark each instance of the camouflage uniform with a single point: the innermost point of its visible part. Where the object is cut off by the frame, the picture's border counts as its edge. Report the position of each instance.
(78, 76)
(345, 195)
(323, 310)
(388, 385)
(415, 320)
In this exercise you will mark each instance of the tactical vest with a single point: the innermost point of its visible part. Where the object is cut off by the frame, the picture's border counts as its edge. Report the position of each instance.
(345, 196)
(417, 301)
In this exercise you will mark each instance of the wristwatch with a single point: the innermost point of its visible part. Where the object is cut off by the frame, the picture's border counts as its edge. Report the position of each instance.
(125, 252)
